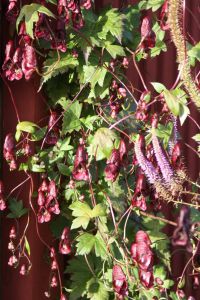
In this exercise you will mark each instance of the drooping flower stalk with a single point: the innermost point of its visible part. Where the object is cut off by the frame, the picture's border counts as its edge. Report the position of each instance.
(146, 166)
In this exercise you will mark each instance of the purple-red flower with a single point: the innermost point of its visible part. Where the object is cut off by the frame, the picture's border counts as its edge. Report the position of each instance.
(65, 242)
(146, 278)
(113, 166)
(119, 279)
(80, 171)
(43, 215)
(148, 36)
(29, 62)
(164, 15)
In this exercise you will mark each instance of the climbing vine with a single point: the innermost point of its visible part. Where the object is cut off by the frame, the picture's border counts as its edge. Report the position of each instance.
(109, 154)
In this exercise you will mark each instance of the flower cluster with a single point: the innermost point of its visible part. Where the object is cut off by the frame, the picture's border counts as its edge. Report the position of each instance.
(47, 201)
(143, 256)
(20, 61)
(117, 97)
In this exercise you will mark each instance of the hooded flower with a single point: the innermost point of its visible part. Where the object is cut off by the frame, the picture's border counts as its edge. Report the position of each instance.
(43, 215)
(148, 36)
(80, 171)
(164, 15)
(113, 166)
(65, 242)
(53, 129)
(120, 284)
(146, 278)
(29, 62)
(13, 11)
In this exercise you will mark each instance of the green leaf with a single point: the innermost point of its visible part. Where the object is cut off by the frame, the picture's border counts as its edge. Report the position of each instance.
(16, 208)
(97, 290)
(84, 213)
(153, 4)
(196, 137)
(27, 246)
(71, 119)
(100, 246)
(88, 121)
(85, 244)
(111, 22)
(194, 52)
(55, 65)
(99, 211)
(27, 126)
(31, 15)
(98, 147)
(115, 50)
(158, 87)
(64, 170)
(39, 134)
(172, 102)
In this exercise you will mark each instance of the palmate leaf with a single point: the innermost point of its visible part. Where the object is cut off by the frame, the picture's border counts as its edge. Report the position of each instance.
(84, 213)
(97, 290)
(98, 147)
(55, 65)
(17, 209)
(88, 242)
(30, 13)
(71, 119)
(112, 22)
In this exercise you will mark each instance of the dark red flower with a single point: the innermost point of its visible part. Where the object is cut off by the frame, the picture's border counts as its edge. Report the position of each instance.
(144, 256)
(80, 171)
(148, 36)
(123, 151)
(12, 234)
(59, 40)
(65, 243)
(139, 201)
(43, 215)
(13, 10)
(85, 4)
(23, 270)
(146, 278)
(44, 186)
(142, 236)
(53, 127)
(77, 20)
(54, 282)
(113, 166)
(41, 31)
(41, 198)
(164, 15)
(29, 62)
(120, 284)
(9, 147)
(9, 51)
